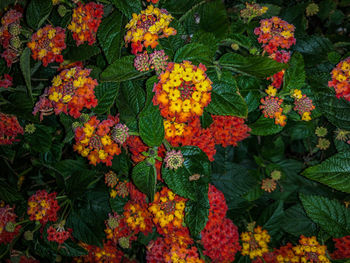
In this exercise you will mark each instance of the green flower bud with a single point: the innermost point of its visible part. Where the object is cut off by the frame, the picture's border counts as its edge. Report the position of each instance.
(10, 227)
(15, 42)
(62, 10)
(321, 131)
(235, 46)
(28, 235)
(15, 29)
(312, 9)
(124, 242)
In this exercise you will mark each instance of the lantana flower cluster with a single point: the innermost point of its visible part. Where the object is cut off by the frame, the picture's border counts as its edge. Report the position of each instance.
(72, 90)
(146, 28)
(94, 140)
(255, 242)
(220, 237)
(342, 246)
(43, 207)
(341, 79)
(47, 44)
(86, 20)
(252, 10)
(9, 36)
(6, 81)
(8, 228)
(157, 60)
(9, 129)
(57, 233)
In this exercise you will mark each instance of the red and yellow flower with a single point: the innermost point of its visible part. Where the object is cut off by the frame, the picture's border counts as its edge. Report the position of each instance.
(72, 90)
(43, 207)
(182, 92)
(310, 250)
(146, 28)
(138, 218)
(341, 79)
(275, 33)
(94, 140)
(47, 44)
(168, 211)
(9, 129)
(255, 243)
(57, 233)
(304, 107)
(8, 228)
(85, 22)
(342, 248)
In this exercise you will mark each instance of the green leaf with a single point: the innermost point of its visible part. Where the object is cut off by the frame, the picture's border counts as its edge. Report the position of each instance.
(81, 53)
(37, 12)
(197, 212)
(207, 16)
(173, 43)
(334, 172)
(144, 177)
(330, 215)
(294, 77)
(9, 194)
(25, 68)
(270, 218)
(196, 53)
(71, 249)
(265, 126)
(41, 139)
(105, 94)
(128, 7)
(225, 98)
(151, 126)
(260, 67)
(195, 162)
(117, 204)
(130, 101)
(296, 222)
(334, 109)
(110, 34)
(121, 70)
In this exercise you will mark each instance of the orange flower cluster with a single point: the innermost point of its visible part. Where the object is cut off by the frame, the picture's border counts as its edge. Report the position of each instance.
(9, 36)
(117, 229)
(94, 140)
(271, 108)
(304, 107)
(274, 33)
(85, 22)
(47, 44)
(8, 229)
(182, 92)
(192, 134)
(341, 79)
(108, 253)
(138, 218)
(161, 250)
(220, 237)
(43, 207)
(310, 250)
(255, 243)
(9, 129)
(145, 28)
(168, 211)
(72, 90)
(228, 130)
(342, 246)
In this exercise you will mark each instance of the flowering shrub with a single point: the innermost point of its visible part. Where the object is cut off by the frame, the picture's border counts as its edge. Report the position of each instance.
(174, 131)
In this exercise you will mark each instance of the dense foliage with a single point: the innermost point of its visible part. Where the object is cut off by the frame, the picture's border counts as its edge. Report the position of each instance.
(174, 131)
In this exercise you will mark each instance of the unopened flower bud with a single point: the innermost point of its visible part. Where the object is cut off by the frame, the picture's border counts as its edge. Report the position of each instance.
(15, 29)
(62, 10)
(235, 46)
(10, 227)
(28, 235)
(124, 242)
(15, 42)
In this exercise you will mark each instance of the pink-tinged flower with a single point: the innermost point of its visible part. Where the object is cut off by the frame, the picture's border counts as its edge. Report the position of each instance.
(173, 160)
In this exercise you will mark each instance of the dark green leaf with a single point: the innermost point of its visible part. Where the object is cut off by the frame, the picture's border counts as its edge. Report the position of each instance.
(110, 35)
(37, 12)
(121, 70)
(25, 68)
(260, 67)
(71, 249)
(334, 172)
(41, 139)
(128, 7)
(294, 77)
(173, 43)
(195, 162)
(265, 126)
(332, 217)
(105, 94)
(296, 222)
(81, 53)
(145, 178)
(151, 126)
(270, 218)
(9, 194)
(225, 98)
(196, 53)
(117, 204)
(197, 212)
